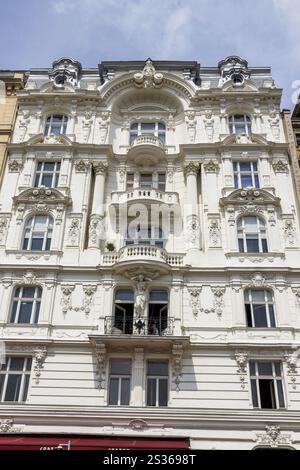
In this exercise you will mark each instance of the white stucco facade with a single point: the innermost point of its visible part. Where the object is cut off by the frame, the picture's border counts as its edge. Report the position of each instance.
(206, 342)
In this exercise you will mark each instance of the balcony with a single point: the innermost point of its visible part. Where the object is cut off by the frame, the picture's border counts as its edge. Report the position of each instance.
(143, 255)
(146, 149)
(139, 327)
(145, 195)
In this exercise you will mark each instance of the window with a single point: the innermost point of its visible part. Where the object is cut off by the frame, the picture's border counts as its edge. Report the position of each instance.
(148, 128)
(157, 383)
(146, 180)
(158, 312)
(123, 315)
(26, 305)
(162, 181)
(297, 139)
(47, 174)
(14, 379)
(56, 124)
(146, 235)
(239, 124)
(259, 307)
(245, 175)
(266, 385)
(119, 382)
(130, 181)
(38, 233)
(252, 236)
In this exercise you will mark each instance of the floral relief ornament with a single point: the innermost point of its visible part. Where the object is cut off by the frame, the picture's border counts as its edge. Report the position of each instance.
(7, 426)
(195, 299)
(148, 78)
(39, 357)
(242, 361)
(15, 166)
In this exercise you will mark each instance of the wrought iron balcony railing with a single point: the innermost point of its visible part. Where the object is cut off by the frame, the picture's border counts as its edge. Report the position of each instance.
(139, 327)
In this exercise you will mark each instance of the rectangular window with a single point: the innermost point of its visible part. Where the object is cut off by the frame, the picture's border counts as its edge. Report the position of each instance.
(266, 385)
(259, 309)
(14, 379)
(26, 305)
(119, 382)
(130, 181)
(157, 383)
(162, 181)
(47, 174)
(146, 180)
(297, 139)
(245, 175)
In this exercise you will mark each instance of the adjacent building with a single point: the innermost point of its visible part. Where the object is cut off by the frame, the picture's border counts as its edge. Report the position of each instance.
(150, 260)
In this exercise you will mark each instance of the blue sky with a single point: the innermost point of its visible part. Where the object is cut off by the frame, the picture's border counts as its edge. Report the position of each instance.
(265, 32)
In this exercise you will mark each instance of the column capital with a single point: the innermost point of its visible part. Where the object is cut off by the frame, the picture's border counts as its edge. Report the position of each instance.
(100, 168)
(191, 168)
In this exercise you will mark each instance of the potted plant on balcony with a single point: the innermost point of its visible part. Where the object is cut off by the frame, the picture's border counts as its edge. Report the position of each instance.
(110, 247)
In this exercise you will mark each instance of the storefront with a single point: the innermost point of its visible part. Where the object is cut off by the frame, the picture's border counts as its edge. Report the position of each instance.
(45, 443)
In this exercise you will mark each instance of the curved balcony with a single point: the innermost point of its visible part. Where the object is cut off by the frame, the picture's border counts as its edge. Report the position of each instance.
(150, 195)
(143, 255)
(146, 149)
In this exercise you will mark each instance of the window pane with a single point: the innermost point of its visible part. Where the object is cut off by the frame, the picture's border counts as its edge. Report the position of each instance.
(241, 245)
(265, 368)
(37, 244)
(157, 368)
(260, 316)
(246, 181)
(124, 295)
(248, 315)
(252, 368)
(113, 391)
(245, 167)
(2, 376)
(147, 127)
(267, 395)
(151, 392)
(120, 366)
(14, 311)
(252, 245)
(254, 393)
(46, 181)
(16, 363)
(26, 386)
(25, 312)
(272, 316)
(28, 364)
(13, 387)
(280, 393)
(37, 312)
(277, 366)
(264, 245)
(125, 391)
(163, 392)
(28, 292)
(161, 296)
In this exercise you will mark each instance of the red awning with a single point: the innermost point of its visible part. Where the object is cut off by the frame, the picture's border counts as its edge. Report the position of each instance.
(87, 443)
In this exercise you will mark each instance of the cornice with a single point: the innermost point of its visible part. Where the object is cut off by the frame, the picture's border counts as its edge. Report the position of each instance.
(74, 146)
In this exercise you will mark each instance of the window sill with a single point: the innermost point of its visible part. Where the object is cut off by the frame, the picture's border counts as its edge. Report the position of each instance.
(33, 255)
(255, 257)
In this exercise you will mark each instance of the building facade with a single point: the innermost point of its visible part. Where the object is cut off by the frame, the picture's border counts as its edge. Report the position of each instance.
(10, 83)
(150, 259)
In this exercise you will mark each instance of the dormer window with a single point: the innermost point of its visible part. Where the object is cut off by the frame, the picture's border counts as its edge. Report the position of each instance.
(56, 124)
(239, 124)
(157, 129)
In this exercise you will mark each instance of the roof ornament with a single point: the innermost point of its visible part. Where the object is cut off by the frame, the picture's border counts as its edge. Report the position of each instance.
(65, 70)
(234, 68)
(148, 78)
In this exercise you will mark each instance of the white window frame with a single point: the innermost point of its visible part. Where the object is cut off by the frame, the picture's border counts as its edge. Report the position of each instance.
(36, 300)
(40, 173)
(49, 124)
(273, 377)
(266, 303)
(23, 373)
(134, 133)
(233, 124)
(261, 233)
(157, 378)
(29, 229)
(240, 172)
(120, 378)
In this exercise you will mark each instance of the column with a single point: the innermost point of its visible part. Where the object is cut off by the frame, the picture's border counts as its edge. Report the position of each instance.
(192, 225)
(137, 396)
(98, 212)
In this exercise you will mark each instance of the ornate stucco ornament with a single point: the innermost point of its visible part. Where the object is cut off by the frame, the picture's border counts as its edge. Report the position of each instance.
(101, 356)
(234, 68)
(7, 426)
(40, 354)
(273, 437)
(177, 353)
(65, 70)
(241, 358)
(148, 78)
(42, 195)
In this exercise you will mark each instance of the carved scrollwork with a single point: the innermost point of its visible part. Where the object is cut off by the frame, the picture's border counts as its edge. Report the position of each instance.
(148, 78)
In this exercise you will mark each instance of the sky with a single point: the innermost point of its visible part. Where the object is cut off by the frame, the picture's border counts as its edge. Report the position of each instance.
(33, 33)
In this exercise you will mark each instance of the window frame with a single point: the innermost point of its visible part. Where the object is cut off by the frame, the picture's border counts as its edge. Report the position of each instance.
(267, 303)
(238, 173)
(157, 378)
(233, 123)
(36, 305)
(161, 320)
(126, 328)
(274, 378)
(261, 230)
(39, 174)
(159, 133)
(47, 232)
(24, 387)
(120, 378)
(49, 124)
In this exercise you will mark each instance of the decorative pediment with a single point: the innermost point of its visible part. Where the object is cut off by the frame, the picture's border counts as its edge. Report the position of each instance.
(51, 139)
(245, 139)
(65, 70)
(43, 196)
(250, 196)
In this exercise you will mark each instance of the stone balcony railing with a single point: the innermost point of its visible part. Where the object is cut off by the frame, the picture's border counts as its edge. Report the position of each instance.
(143, 253)
(151, 140)
(146, 149)
(145, 194)
(139, 327)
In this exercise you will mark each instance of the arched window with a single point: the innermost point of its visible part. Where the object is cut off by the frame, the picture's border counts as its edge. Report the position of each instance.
(252, 236)
(157, 129)
(26, 304)
(38, 233)
(158, 312)
(239, 124)
(123, 312)
(56, 124)
(259, 306)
